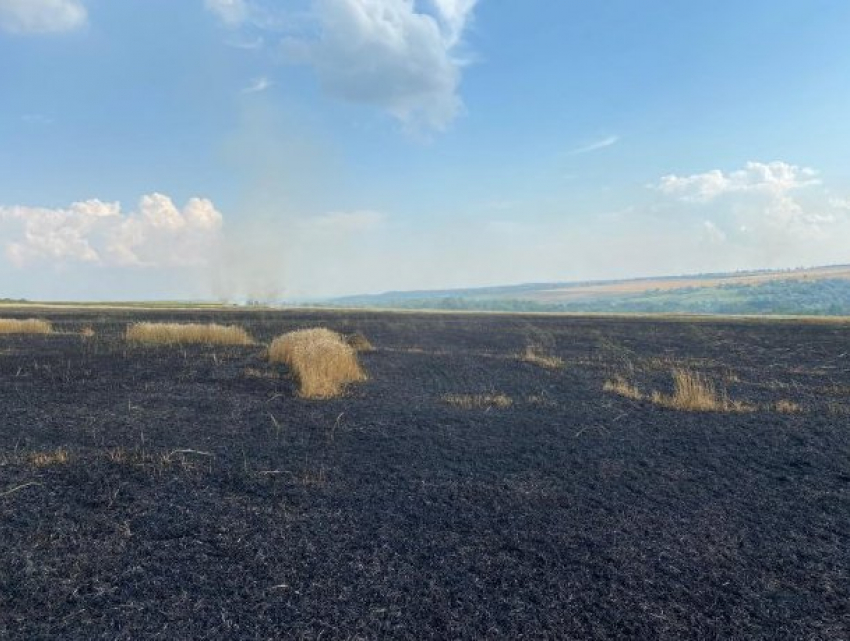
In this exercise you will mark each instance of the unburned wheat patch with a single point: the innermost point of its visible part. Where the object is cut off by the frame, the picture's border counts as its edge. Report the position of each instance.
(187, 333)
(27, 326)
(321, 360)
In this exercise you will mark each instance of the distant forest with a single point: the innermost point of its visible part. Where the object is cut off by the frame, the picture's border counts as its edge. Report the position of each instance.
(787, 297)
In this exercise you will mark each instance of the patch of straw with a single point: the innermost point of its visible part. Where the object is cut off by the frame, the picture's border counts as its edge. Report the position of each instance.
(187, 333)
(693, 392)
(785, 406)
(619, 385)
(320, 359)
(537, 357)
(46, 459)
(28, 326)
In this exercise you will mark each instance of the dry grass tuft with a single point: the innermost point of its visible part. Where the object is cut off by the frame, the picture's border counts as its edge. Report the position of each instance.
(185, 333)
(692, 392)
(46, 459)
(87, 331)
(787, 407)
(28, 326)
(321, 360)
(359, 342)
(116, 454)
(541, 400)
(738, 406)
(479, 401)
(621, 386)
(536, 357)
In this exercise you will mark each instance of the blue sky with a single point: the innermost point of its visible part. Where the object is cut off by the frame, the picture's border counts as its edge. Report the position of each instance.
(232, 148)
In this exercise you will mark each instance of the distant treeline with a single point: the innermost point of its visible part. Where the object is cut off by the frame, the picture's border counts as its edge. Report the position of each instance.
(828, 297)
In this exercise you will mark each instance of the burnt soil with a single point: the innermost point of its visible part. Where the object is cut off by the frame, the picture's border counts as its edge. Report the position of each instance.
(168, 492)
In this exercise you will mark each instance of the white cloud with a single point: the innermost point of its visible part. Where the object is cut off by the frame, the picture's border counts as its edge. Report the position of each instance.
(231, 12)
(759, 195)
(95, 232)
(401, 56)
(840, 203)
(389, 54)
(41, 16)
(771, 178)
(257, 85)
(765, 214)
(454, 15)
(608, 141)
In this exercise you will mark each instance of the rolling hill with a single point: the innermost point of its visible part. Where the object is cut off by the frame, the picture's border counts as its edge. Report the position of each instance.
(819, 290)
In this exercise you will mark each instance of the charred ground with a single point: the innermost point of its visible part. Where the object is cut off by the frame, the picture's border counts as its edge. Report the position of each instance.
(187, 492)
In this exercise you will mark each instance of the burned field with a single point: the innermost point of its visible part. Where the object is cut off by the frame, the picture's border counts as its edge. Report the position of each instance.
(495, 477)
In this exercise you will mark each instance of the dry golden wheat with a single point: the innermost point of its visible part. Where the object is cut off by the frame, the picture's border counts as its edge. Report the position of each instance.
(28, 326)
(184, 333)
(45, 459)
(693, 392)
(320, 359)
(541, 359)
(621, 386)
(787, 407)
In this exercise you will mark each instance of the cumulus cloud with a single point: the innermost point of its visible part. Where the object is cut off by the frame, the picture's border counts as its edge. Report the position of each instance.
(99, 233)
(231, 12)
(401, 56)
(41, 16)
(454, 15)
(760, 193)
(756, 177)
(767, 214)
(390, 54)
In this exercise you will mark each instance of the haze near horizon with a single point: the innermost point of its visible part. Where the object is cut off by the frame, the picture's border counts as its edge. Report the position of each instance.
(231, 149)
